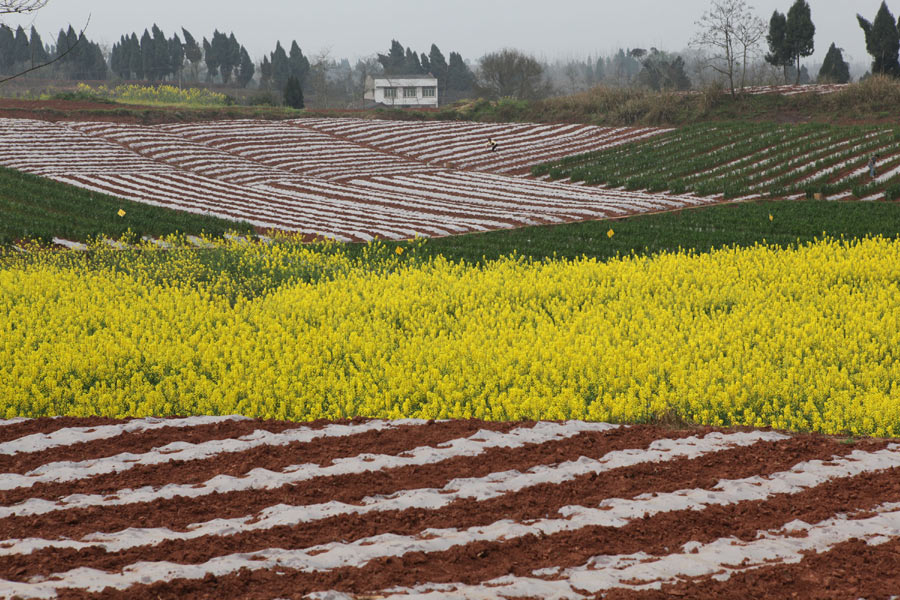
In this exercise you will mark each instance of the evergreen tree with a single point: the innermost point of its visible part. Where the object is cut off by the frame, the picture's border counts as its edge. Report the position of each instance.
(882, 42)
(7, 49)
(148, 68)
(293, 93)
(91, 64)
(799, 33)
(61, 44)
(176, 54)
(136, 61)
(234, 54)
(209, 60)
(160, 57)
(192, 52)
(298, 65)
(118, 59)
(411, 64)
(265, 73)
(834, 69)
(21, 48)
(281, 68)
(426, 65)
(226, 56)
(459, 75)
(246, 69)
(663, 72)
(438, 66)
(39, 53)
(779, 54)
(395, 60)
(599, 70)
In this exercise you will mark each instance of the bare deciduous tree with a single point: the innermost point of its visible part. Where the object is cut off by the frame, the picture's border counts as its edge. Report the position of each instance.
(731, 30)
(510, 73)
(319, 67)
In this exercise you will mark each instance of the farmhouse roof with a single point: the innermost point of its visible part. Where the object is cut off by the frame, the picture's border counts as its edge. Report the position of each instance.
(396, 76)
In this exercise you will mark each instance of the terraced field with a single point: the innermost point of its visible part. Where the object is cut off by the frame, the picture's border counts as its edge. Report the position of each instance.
(346, 179)
(215, 507)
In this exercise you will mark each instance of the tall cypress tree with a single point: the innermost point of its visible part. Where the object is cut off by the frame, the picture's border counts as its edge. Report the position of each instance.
(118, 62)
(459, 75)
(394, 61)
(299, 64)
(834, 69)
(281, 68)
(135, 60)
(21, 48)
(176, 54)
(210, 59)
(779, 54)
(245, 69)
(882, 42)
(148, 68)
(234, 54)
(411, 64)
(38, 52)
(293, 93)
(7, 48)
(800, 33)
(265, 73)
(161, 58)
(438, 66)
(192, 51)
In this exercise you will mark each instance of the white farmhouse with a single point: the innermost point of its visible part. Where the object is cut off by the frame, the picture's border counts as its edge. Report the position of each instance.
(402, 90)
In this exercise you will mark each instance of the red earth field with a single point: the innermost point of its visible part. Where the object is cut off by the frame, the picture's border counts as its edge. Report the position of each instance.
(223, 507)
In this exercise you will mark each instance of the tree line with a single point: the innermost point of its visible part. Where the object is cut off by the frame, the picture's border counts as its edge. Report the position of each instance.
(78, 57)
(154, 57)
(729, 35)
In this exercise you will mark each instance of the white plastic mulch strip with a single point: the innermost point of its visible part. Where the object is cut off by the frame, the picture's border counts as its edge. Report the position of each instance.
(259, 478)
(69, 244)
(484, 488)
(611, 513)
(640, 571)
(62, 471)
(38, 442)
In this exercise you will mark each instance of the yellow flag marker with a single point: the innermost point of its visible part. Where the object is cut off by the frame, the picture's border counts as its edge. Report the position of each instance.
(610, 233)
(121, 213)
(399, 250)
(771, 217)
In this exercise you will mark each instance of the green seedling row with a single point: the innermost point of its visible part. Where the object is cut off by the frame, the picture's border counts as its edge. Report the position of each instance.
(744, 159)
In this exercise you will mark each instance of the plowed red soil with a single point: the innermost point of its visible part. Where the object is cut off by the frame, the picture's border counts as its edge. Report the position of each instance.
(460, 509)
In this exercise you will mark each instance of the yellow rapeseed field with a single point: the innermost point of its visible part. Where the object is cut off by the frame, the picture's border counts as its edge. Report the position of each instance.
(161, 94)
(804, 338)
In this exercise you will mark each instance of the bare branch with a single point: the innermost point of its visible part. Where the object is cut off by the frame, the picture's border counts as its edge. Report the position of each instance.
(8, 7)
(732, 31)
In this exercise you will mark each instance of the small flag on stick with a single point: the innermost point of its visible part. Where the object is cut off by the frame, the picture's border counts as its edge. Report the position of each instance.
(121, 213)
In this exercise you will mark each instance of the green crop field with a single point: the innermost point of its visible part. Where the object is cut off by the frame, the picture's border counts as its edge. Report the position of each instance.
(40, 209)
(748, 159)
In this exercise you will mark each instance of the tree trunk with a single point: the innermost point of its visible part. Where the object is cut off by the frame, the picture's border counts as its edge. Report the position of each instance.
(797, 81)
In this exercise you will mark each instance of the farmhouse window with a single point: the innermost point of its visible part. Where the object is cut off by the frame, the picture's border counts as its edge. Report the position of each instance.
(390, 92)
(428, 92)
(409, 92)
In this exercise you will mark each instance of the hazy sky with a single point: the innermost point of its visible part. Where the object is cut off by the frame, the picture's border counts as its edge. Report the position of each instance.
(549, 29)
